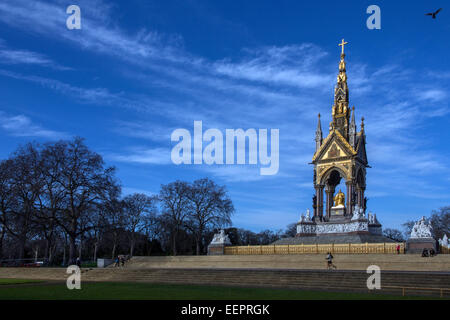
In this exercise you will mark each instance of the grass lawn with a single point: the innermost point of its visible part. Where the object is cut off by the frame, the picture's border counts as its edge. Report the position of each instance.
(140, 291)
(17, 281)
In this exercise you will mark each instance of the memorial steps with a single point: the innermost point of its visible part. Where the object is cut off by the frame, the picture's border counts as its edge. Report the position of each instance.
(305, 272)
(333, 280)
(34, 273)
(402, 262)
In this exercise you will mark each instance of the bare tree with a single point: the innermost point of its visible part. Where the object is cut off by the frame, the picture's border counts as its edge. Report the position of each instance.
(291, 230)
(440, 221)
(51, 199)
(115, 221)
(7, 200)
(59, 200)
(85, 182)
(176, 206)
(152, 230)
(21, 186)
(393, 234)
(247, 237)
(138, 207)
(267, 237)
(211, 208)
(407, 227)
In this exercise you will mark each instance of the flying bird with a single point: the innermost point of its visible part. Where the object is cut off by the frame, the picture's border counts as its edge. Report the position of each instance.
(433, 14)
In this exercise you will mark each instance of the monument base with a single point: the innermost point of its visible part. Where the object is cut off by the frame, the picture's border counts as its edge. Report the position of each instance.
(216, 249)
(338, 211)
(417, 245)
(356, 237)
(218, 243)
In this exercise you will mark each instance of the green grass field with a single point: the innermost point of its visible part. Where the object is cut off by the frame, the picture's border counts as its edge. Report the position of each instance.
(17, 281)
(142, 291)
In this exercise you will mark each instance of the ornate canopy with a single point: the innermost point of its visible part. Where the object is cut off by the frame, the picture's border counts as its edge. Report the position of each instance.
(341, 155)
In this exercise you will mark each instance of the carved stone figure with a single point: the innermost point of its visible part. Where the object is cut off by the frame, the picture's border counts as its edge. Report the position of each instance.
(361, 213)
(421, 229)
(375, 220)
(444, 242)
(221, 238)
(308, 216)
(358, 213)
(355, 213)
(371, 218)
(302, 218)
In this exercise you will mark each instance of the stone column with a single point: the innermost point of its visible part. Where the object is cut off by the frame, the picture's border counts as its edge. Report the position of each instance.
(358, 196)
(362, 199)
(329, 194)
(348, 210)
(319, 195)
(316, 208)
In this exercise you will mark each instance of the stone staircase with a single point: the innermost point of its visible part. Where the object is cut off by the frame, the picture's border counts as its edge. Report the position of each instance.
(400, 262)
(392, 282)
(306, 272)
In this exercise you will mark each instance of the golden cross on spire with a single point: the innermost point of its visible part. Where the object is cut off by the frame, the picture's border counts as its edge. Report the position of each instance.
(342, 44)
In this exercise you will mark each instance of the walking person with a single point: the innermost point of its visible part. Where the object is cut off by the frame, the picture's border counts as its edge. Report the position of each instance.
(116, 262)
(329, 259)
(78, 262)
(398, 249)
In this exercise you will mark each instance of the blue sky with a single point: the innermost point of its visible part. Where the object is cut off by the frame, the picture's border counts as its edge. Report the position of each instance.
(137, 70)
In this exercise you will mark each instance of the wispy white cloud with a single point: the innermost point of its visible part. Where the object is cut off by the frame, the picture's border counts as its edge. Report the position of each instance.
(98, 33)
(159, 156)
(288, 65)
(234, 173)
(22, 126)
(432, 95)
(12, 56)
(443, 74)
(98, 96)
(148, 131)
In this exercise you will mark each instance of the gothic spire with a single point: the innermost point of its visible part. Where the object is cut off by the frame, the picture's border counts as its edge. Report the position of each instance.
(318, 134)
(340, 110)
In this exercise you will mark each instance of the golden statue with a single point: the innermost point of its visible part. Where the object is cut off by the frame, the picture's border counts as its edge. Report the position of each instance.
(342, 77)
(340, 106)
(339, 199)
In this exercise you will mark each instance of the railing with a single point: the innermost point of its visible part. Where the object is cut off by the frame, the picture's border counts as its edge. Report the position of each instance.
(349, 248)
(441, 290)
